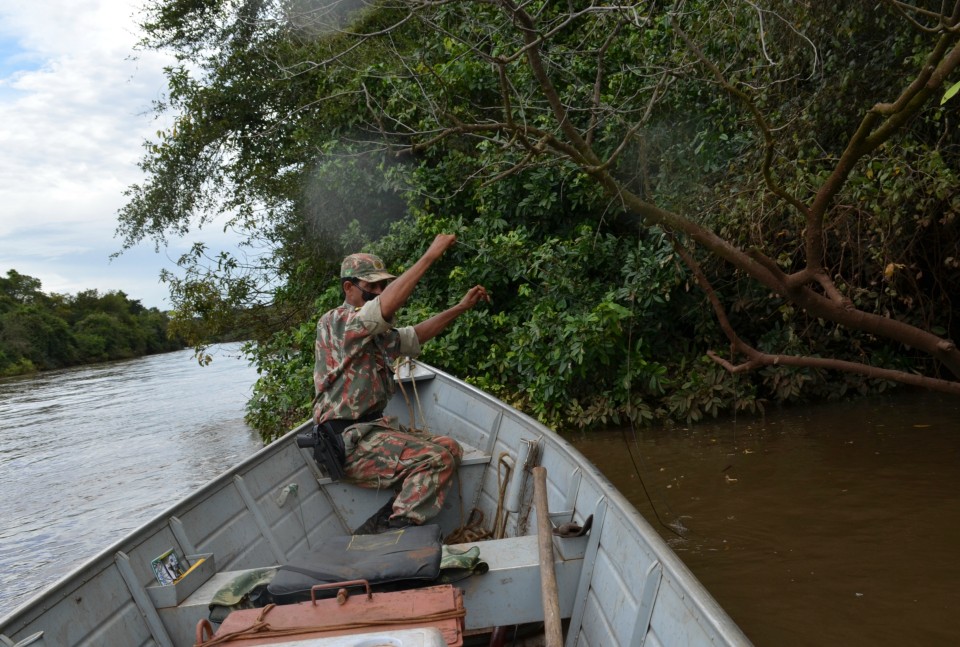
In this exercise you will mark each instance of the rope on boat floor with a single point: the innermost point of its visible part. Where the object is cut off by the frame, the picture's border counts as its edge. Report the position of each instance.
(474, 529)
(471, 531)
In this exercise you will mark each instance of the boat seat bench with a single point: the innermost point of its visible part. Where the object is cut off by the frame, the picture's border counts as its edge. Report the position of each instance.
(514, 567)
(510, 592)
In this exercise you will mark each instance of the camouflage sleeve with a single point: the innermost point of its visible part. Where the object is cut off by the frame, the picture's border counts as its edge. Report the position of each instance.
(373, 323)
(409, 342)
(370, 317)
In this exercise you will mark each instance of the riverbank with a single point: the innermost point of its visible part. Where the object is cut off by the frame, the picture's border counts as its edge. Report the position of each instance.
(54, 331)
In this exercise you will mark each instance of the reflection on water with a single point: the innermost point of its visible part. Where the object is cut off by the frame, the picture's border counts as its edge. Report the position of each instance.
(88, 454)
(834, 525)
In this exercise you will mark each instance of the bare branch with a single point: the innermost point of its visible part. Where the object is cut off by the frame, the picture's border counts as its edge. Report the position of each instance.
(759, 360)
(758, 119)
(598, 83)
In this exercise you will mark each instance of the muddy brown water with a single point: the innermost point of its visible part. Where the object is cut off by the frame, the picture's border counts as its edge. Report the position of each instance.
(835, 524)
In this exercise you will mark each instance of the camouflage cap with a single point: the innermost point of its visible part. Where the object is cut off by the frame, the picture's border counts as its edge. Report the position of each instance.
(365, 267)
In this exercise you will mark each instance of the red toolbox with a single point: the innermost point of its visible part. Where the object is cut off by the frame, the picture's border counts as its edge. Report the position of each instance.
(351, 612)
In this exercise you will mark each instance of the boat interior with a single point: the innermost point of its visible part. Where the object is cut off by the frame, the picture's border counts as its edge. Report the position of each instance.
(489, 512)
(523, 499)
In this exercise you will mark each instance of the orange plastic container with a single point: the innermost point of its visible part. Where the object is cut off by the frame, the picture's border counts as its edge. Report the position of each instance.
(351, 612)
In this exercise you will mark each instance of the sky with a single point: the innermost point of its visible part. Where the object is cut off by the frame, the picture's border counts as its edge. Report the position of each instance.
(75, 108)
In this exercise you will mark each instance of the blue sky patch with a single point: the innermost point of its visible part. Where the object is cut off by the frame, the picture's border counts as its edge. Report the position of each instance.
(13, 58)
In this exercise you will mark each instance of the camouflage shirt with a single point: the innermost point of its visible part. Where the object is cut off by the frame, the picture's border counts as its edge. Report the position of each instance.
(355, 351)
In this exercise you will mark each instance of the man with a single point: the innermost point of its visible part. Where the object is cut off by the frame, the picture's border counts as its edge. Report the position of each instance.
(355, 351)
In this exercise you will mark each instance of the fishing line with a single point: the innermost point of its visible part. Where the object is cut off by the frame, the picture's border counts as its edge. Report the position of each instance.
(633, 431)
(580, 298)
(736, 408)
(543, 288)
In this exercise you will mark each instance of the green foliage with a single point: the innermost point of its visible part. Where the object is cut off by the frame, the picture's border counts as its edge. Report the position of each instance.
(18, 289)
(706, 390)
(315, 143)
(40, 331)
(283, 393)
(950, 93)
(284, 390)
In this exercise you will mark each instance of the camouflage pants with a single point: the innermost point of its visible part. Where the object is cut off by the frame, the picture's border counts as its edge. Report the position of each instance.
(421, 466)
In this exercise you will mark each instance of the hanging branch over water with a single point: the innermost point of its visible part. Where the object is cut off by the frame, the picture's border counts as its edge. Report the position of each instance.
(713, 122)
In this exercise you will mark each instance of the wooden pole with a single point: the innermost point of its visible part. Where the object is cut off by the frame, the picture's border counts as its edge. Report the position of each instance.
(548, 576)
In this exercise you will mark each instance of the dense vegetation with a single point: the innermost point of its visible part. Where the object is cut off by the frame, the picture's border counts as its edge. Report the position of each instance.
(638, 185)
(41, 331)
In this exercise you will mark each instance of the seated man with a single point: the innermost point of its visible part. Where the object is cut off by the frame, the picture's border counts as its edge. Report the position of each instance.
(355, 350)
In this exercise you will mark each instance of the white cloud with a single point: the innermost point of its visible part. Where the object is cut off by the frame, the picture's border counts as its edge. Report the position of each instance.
(75, 107)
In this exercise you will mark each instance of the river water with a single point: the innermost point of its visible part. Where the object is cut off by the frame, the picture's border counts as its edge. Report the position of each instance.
(830, 525)
(836, 524)
(89, 453)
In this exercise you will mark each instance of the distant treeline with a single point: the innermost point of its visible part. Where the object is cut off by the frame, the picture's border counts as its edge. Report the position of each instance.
(45, 331)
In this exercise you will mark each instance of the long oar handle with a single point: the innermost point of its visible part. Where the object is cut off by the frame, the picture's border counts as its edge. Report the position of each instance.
(548, 576)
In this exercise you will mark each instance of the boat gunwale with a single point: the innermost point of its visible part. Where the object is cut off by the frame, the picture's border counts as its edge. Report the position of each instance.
(673, 568)
(73, 579)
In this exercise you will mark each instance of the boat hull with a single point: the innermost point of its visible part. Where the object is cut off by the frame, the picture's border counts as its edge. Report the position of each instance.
(618, 584)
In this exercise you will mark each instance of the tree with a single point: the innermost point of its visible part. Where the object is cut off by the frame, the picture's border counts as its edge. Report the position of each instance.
(793, 153)
(19, 289)
(33, 333)
(40, 331)
(549, 110)
(103, 336)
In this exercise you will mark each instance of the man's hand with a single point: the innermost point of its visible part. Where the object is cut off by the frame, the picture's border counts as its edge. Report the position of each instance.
(427, 330)
(440, 244)
(474, 295)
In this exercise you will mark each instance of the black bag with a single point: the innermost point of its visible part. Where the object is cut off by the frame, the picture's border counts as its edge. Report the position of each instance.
(328, 449)
(393, 560)
(327, 443)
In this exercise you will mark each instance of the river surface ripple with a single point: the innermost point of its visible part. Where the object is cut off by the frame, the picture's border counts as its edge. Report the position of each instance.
(835, 524)
(90, 453)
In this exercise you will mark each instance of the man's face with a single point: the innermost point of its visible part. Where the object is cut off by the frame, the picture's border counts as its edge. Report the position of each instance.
(376, 287)
(367, 291)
